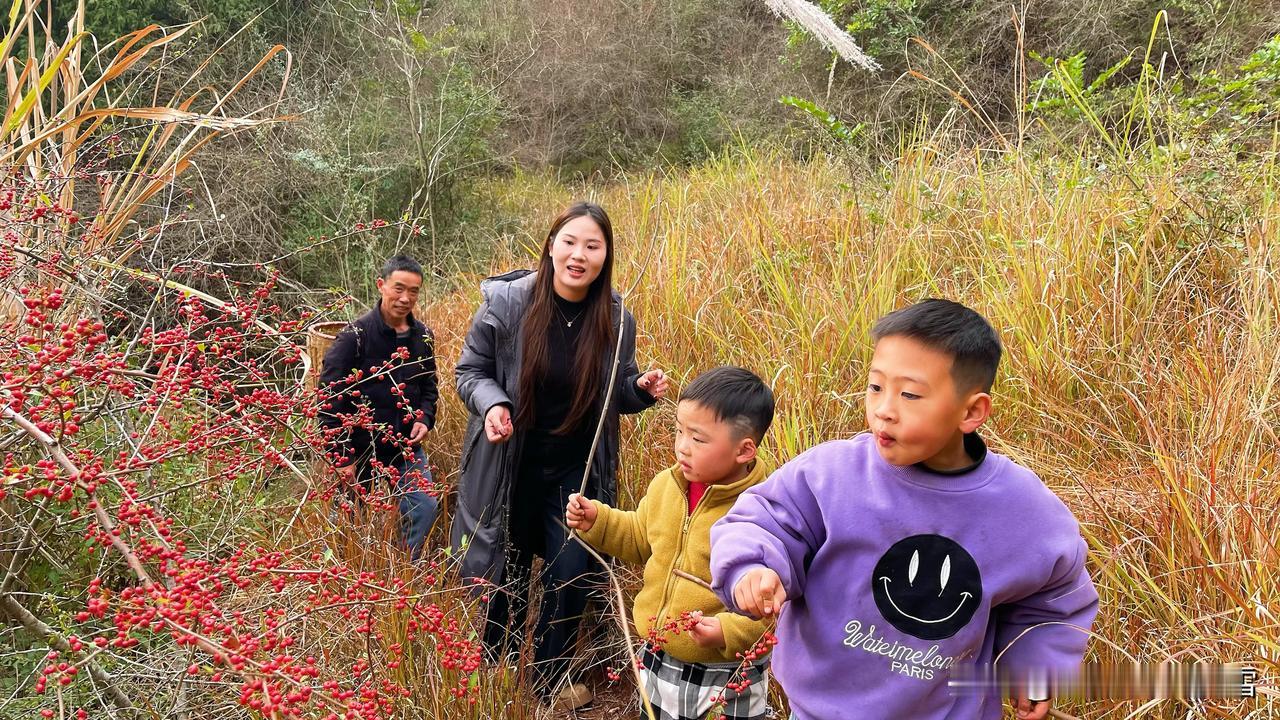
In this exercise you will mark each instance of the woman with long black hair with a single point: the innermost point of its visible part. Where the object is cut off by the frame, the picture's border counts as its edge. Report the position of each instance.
(533, 374)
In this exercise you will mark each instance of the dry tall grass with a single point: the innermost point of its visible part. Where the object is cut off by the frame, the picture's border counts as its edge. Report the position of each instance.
(1143, 349)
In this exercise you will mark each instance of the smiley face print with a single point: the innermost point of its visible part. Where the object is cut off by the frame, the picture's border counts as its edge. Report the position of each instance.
(927, 586)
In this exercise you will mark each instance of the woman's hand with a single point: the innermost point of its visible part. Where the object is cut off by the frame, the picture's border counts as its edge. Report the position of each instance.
(497, 424)
(653, 382)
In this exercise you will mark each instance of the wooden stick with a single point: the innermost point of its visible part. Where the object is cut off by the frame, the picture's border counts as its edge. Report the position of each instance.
(691, 578)
(621, 609)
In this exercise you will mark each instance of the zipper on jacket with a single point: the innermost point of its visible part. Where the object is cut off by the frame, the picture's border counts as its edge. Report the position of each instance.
(675, 563)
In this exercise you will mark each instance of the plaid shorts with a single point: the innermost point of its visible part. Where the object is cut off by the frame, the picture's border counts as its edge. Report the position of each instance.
(692, 691)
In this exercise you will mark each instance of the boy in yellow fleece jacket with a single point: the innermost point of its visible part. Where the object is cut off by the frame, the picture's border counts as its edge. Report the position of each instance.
(721, 418)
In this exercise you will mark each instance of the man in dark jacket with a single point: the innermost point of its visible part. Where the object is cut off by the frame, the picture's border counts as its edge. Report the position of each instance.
(379, 377)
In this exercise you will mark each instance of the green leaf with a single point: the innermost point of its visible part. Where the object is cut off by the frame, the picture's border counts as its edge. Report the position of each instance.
(419, 41)
(833, 125)
(45, 78)
(13, 21)
(1105, 75)
(1073, 68)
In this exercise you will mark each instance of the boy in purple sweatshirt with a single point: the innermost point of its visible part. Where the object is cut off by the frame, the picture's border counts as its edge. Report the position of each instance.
(894, 557)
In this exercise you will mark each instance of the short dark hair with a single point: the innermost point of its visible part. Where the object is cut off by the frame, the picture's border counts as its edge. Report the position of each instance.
(950, 328)
(399, 262)
(736, 396)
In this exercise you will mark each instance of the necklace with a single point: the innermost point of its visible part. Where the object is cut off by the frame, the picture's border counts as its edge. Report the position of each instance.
(567, 321)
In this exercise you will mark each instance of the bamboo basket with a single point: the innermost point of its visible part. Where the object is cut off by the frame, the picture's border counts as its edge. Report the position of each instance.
(319, 337)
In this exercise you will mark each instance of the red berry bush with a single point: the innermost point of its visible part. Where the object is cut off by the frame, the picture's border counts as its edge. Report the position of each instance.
(169, 541)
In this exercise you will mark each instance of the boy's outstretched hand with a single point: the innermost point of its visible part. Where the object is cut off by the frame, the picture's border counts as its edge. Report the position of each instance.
(1030, 709)
(760, 593)
(707, 632)
(580, 513)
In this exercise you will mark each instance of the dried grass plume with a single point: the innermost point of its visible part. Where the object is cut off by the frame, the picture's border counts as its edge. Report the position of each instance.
(821, 26)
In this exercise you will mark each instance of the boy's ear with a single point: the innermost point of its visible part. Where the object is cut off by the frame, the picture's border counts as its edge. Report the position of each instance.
(976, 411)
(746, 450)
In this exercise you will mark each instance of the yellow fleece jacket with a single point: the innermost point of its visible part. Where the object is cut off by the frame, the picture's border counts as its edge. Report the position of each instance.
(662, 535)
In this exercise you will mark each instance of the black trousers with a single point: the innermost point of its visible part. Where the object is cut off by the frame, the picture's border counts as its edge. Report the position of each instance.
(568, 577)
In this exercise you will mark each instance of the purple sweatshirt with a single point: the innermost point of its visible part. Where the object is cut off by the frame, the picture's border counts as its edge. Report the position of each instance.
(894, 575)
